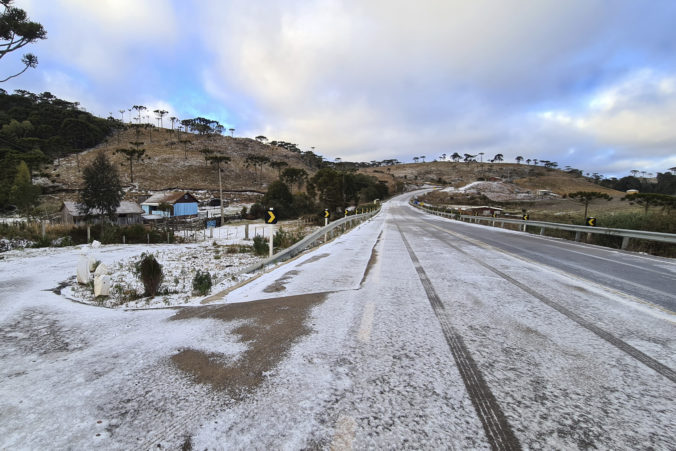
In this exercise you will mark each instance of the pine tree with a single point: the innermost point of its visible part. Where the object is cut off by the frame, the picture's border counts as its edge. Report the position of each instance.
(23, 193)
(102, 191)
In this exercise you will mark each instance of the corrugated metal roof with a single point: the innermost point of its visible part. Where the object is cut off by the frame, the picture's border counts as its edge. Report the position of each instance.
(125, 208)
(169, 198)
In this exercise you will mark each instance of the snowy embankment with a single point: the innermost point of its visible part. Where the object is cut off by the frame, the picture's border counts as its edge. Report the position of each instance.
(223, 253)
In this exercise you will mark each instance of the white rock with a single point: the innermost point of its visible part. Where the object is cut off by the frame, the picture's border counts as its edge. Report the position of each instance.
(83, 270)
(102, 269)
(92, 263)
(102, 285)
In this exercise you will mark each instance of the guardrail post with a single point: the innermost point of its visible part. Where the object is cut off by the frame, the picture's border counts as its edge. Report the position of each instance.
(542, 231)
(625, 242)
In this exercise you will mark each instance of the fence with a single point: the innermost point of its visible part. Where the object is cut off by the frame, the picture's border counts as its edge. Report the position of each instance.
(626, 234)
(323, 234)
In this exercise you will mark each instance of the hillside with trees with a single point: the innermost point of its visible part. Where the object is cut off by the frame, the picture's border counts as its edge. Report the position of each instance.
(42, 129)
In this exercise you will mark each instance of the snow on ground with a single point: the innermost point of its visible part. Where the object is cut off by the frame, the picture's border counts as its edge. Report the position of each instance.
(300, 276)
(223, 252)
(73, 375)
(496, 191)
(375, 372)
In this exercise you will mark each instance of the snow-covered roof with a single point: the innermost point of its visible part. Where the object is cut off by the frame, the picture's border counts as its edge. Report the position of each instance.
(125, 208)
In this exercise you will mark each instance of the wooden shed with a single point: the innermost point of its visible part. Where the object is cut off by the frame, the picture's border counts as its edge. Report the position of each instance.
(127, 213)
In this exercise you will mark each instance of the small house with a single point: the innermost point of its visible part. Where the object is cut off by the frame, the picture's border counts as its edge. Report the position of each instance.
(174, 204)
(485, 211)
(127, 213)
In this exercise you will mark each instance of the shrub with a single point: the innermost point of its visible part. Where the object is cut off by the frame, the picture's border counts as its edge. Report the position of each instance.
(237, 249)
(257, 211)
(201, 283)
(260, 245)
(149, 271)
(283, 239)
(42, 242)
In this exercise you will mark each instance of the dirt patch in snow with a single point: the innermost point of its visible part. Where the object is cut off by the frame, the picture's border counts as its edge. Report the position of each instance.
(272, 327)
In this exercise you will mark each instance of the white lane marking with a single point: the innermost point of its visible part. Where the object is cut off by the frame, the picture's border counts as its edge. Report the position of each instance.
(364, 334)
(344, 433)
(631, 299)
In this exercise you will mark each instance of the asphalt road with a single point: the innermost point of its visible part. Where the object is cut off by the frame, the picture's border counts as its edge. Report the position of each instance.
(648, 278)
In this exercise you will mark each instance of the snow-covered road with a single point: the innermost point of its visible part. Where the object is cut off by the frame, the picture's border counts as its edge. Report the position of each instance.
(399, 334)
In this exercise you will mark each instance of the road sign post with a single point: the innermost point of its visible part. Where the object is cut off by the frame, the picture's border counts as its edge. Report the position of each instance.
(327, 215)
(591, 222)
(271, 220)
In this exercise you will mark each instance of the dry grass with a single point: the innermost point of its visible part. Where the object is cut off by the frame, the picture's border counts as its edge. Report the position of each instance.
(168, 165)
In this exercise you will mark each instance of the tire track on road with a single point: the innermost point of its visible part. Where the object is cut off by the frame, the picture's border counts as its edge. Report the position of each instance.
(498, 430)
(605, 335)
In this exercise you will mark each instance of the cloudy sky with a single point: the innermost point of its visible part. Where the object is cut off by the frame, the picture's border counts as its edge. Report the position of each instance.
(586, 83)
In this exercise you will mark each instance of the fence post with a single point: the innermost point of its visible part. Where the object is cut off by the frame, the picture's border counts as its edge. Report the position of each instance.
(124, 239)
(271, 234)
(625, 242)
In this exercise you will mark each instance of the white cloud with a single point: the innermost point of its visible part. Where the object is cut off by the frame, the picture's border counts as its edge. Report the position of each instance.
(375, 79)
(104, 39)
(635, 114)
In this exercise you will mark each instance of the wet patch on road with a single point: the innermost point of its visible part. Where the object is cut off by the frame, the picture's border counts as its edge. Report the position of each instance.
(36, 332)
(279, 284)
(313, 259)
(372, 261)
(271, 327)
(62, 285)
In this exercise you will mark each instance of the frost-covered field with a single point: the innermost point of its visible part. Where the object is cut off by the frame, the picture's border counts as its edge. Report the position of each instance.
(180, 263)
(223, 253)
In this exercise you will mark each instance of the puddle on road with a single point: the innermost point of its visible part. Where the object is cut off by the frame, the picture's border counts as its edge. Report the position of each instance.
(272, 327)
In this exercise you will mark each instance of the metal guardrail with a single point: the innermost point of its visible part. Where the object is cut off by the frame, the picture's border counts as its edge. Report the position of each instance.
(626, 234)
(306, 242)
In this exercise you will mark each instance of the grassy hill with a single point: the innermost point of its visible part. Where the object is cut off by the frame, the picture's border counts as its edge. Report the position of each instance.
(169, 163)
(175, 162)
(460, 174)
